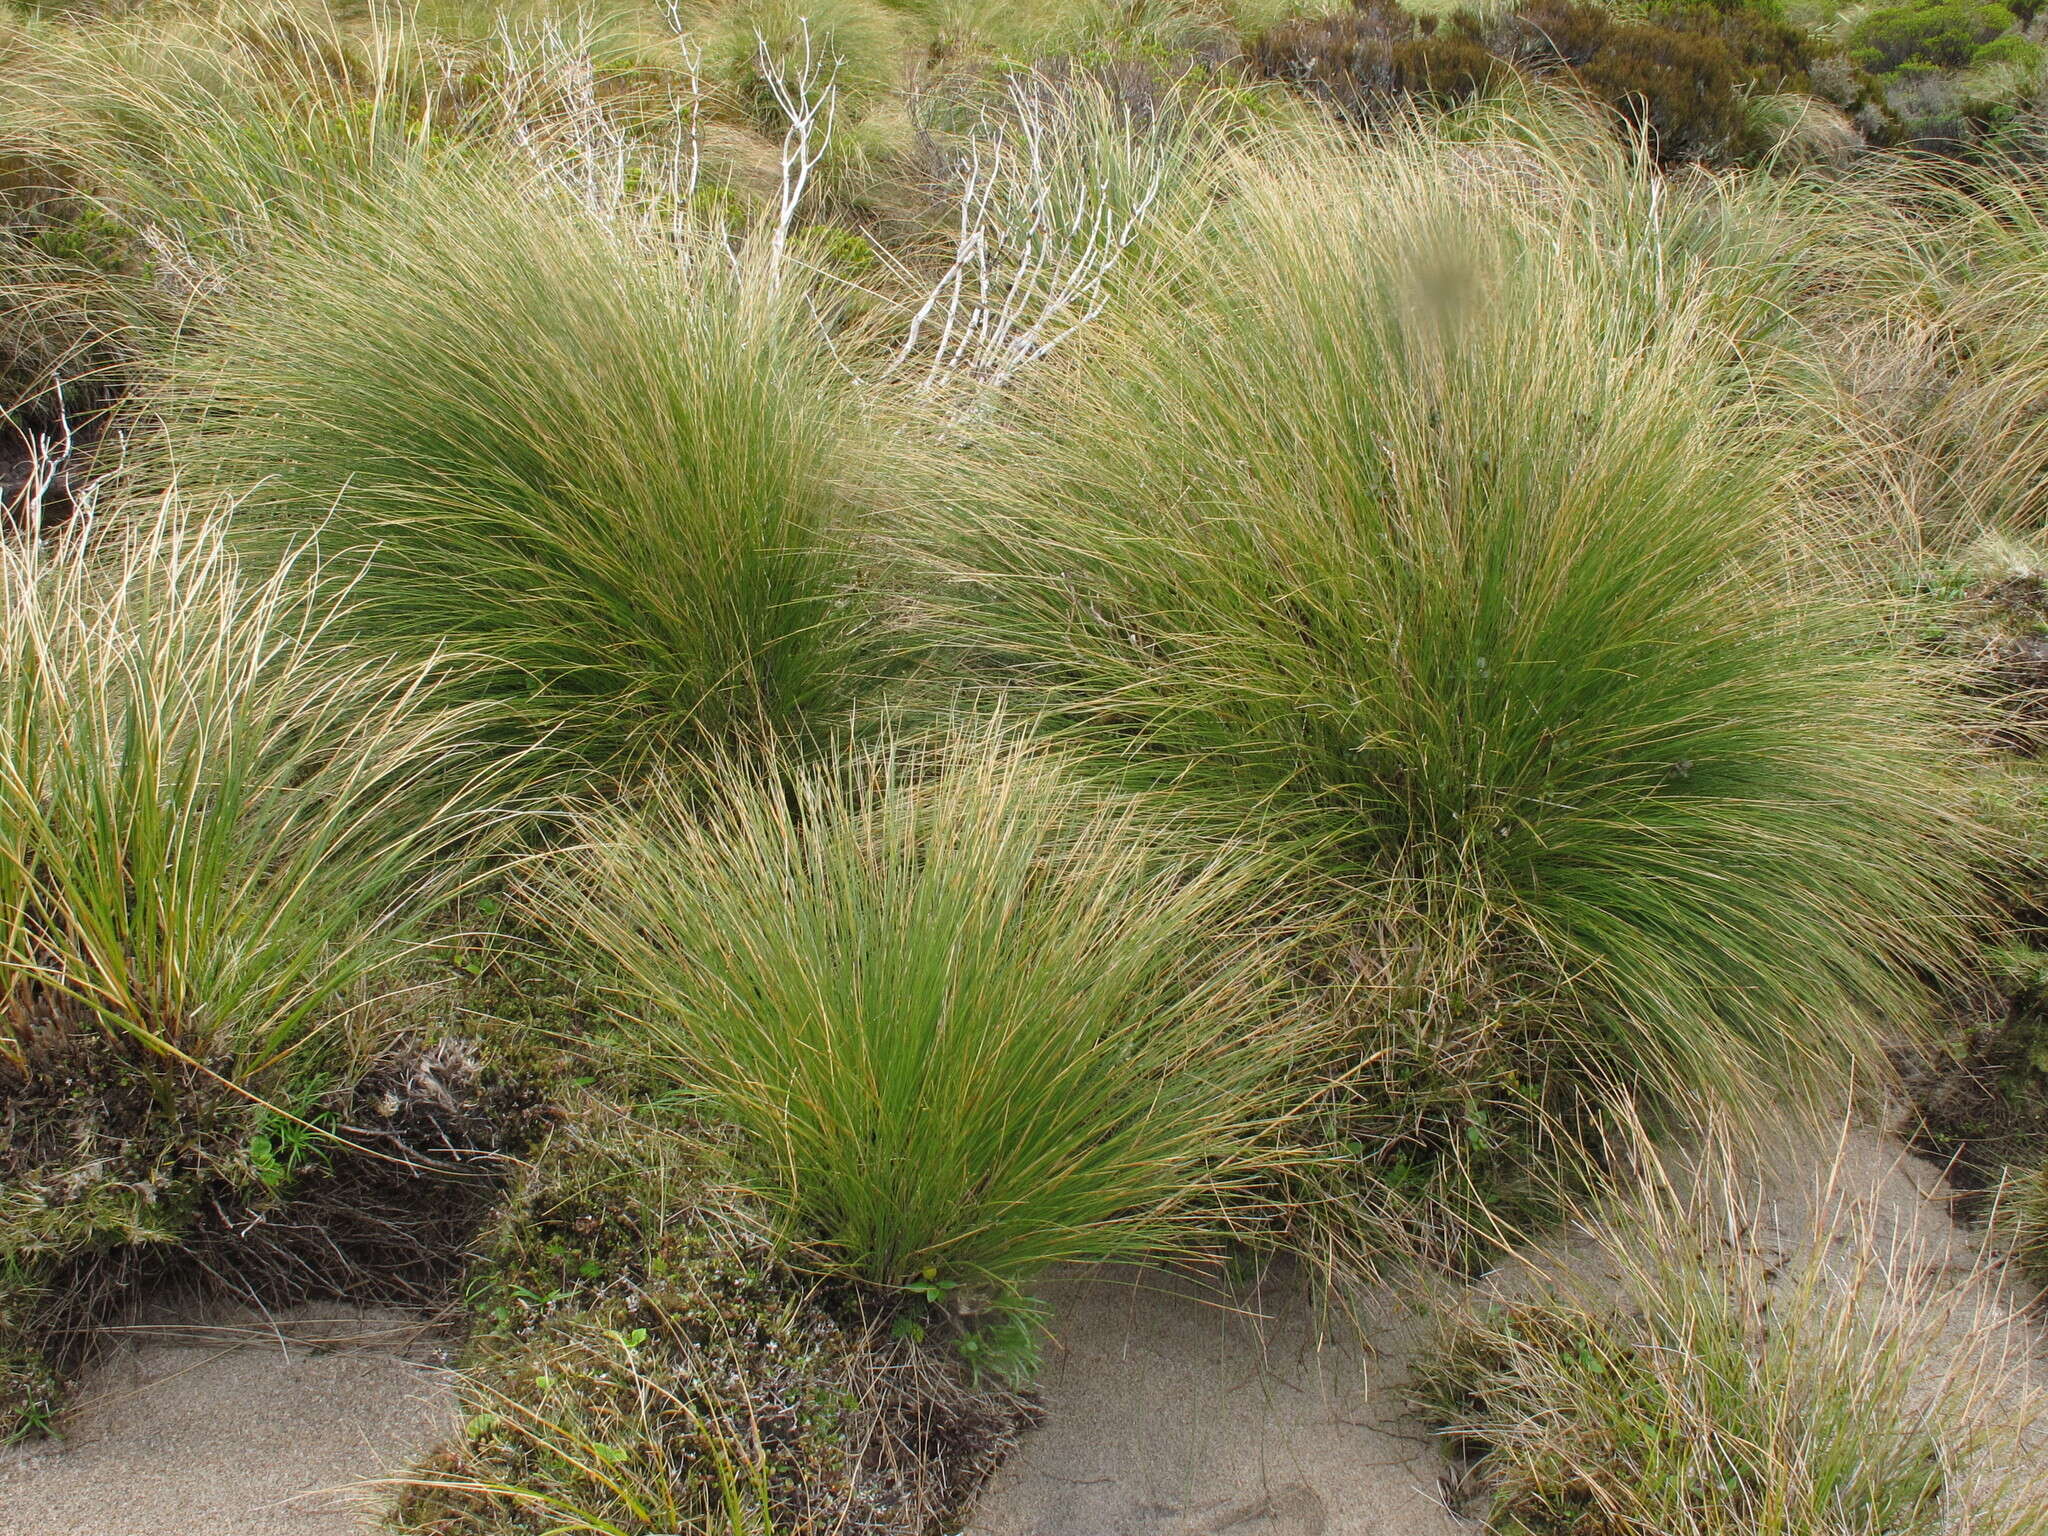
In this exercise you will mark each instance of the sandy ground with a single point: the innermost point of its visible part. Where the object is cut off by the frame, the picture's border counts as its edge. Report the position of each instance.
(208, 1423)
(1169, 1413)
(1166, 1416)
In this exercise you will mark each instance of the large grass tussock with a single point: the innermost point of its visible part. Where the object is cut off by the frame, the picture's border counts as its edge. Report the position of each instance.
(221, 842)
(1421, 524)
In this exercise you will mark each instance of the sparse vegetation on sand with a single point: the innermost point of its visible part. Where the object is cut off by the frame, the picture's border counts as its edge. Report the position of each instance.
(646, 1359)
(1797, 1370)
(726, 677)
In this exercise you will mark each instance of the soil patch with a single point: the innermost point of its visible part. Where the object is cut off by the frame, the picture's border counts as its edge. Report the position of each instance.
(105, 1197)
(1983, 1111)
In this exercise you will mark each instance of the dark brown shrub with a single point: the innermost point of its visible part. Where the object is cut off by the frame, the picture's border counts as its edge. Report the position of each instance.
(1368, 60)
(1679, 76)
(1676, 80)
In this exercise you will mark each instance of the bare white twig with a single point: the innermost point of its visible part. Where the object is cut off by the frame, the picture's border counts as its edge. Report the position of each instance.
(574, 139)
(51, 459)
(1037, 233)
(693, 72)
(806, 90)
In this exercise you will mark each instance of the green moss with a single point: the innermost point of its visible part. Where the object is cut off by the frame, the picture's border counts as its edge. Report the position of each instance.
(91, 239)
(846, 252)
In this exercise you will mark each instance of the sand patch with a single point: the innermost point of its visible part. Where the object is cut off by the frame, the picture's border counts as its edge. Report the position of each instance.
(208, 1422)
(1170, 1410)
(1169, 1414)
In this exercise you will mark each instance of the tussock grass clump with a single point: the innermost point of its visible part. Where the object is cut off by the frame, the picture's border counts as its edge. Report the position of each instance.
(1419, 526)
(754, 46)
(216, 828)
(646, 1360)
(1929, 273)
(208, 133)
(970, 1017)
(219, 841)
(2023, 1205)
(1983, 613)
(614, 470)
(1699, 1367)
(1988, 426)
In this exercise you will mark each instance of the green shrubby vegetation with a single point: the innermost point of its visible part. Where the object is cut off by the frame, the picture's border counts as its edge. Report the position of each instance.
(1946, 34)
(1698, 82)
(1693, 81)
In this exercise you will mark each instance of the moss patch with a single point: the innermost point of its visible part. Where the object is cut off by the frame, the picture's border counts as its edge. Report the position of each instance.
(113, 1178)
(647, 1360)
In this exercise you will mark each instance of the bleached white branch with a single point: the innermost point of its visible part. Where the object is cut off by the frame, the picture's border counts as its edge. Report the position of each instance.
(806, 91)
(553, 112)
(1036, 238)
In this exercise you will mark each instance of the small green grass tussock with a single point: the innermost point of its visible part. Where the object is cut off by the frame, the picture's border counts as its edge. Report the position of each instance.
(219, 828)
(205, 136)
(971, 1016)
(221, 840)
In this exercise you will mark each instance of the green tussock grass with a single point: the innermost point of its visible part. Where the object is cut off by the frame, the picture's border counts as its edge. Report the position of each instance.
(1420, 527)
(1988, 254)
(216, 829)
(212, 132)
(224, 843)
(616, 469)
(970, 1017)
(1144, 672)
(857, 44)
